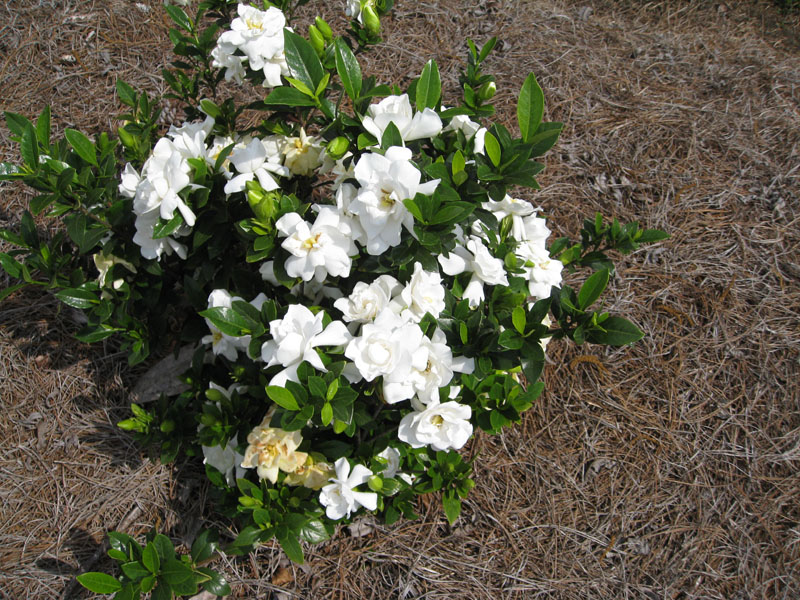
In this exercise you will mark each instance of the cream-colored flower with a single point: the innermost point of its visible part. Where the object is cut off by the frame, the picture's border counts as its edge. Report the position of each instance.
(312, 474)
(271, 450)
(104, 262)
(302, 155)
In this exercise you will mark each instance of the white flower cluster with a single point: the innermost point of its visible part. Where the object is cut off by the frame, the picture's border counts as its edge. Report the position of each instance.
(257, 35)
(324, 251)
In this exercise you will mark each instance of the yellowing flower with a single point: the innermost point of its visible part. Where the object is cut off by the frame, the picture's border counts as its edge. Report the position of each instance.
(311, 475)
(271, 450)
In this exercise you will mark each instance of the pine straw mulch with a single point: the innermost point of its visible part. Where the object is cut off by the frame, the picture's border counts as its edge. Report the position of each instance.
(664, 470)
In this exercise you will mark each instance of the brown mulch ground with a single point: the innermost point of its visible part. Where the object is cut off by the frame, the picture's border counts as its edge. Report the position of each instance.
(666, 470)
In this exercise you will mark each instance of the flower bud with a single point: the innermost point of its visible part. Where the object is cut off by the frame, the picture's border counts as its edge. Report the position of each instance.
(168, 426)
(317, 39)
(487, 91)
(324, 28)
(263, 204)
(375, 483)
(337, 147)
(371, 21)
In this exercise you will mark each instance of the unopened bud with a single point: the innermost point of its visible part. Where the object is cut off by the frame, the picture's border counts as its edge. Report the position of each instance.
(337, 147)
(487, 91)
(168, 426)
(371, 20)
(375, 483)
(263, 204)
(317, 39)
(324, 28)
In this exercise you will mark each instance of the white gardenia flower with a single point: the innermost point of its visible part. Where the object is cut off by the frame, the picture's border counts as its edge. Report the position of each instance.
(353, 10)
(294, 338)
(432, 367)
(190, 138)
(346, 193)
(145, 226)
(168, 173)
(476, 259)
(470, 129)
(424, 293)
(386, 180)
(317, 250)
(130, 180)
(302, 154)
(392, 458)
(385, 349)
(259, 159)
(340, 498)
(541, 271)
(259, 35)
(224, 57)
(225, 460)
(441, 426)
(368, 300)
(397, 110)
(509, 206)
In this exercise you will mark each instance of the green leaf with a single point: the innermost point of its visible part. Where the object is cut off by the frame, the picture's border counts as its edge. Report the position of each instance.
(10, 265)
(227, 320)
(134, 570)
(43, 127)
(452, 212)
(348, 68)
(91, 334)
(99, 583)
(391, 136)
(592, 288)
(282, 397)
(288, 96)
(652, 235)
(618, 332)
(163, 228)
(317, 387)
(510, 339)
(492, 149)
(41, 202)
(216, 584)
(452, 506)
(429, 86)
(10, 171)
(179, 17)
(29, 147)
(292, 547)
(127, 592)
(166, 551)
(77, 298)
(16, 122)
(150, 558)
(82, 145)
(518, 318)
(326, 416)
(86, 234)
(302, 59)
(162, 592)
(127, 95)
(179, 576)
(314, 532)
(545, 138)
(530, 108)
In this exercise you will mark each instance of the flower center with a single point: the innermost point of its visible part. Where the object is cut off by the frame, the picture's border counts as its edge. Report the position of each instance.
(437, 420)
(312, 242)
(254, 25)
(386, 198)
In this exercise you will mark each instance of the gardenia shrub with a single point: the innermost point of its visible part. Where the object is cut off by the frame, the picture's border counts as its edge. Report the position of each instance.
(361, 274)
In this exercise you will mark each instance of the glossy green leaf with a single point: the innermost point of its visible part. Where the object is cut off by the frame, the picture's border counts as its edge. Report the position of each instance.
(530, 108)
(492, 147)
(282, 397)
(302, 59)
(82, 145)
(150, 558)
(545, 138)
(179, 577)
(29, 147)
(77, 298)
(99, 583)
(452, 507)
(227, 320)
(592, 288)
(518, 318)
(348, 68)
(216, 583)
(429, 87)
(618, 332)
(127, 95)
(391, 136)
(314, 532)
(43, 127)
(288, 96)
(292, 547)
(135, 570)
(179, 17)
(326, 415)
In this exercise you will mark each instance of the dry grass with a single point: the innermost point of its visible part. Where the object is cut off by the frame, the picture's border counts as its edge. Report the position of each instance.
(671, 471)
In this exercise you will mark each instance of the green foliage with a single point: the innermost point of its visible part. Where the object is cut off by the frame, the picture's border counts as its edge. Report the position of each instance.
(156, 568)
